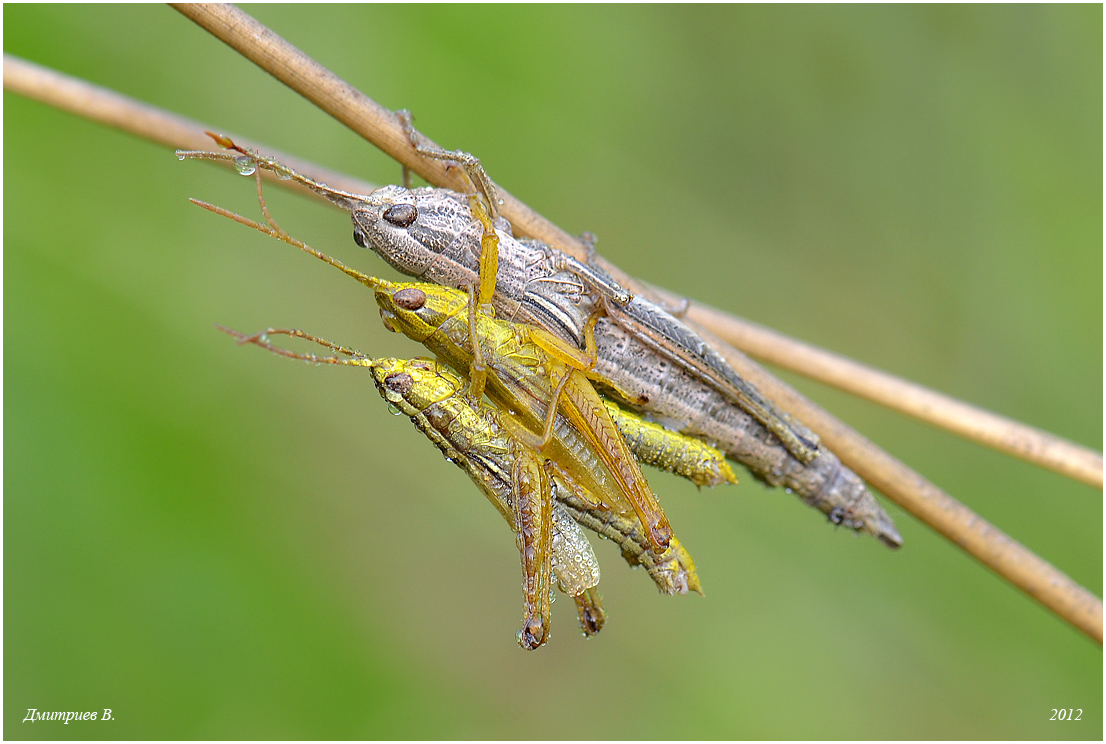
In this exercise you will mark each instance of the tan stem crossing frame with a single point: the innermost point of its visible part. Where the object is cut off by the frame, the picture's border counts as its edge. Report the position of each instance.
(992, 547)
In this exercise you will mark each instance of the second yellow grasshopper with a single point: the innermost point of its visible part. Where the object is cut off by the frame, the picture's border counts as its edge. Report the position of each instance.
(504, 468)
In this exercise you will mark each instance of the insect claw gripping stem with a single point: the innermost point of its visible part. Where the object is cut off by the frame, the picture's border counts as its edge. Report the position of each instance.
(484, 202)
(470, 165)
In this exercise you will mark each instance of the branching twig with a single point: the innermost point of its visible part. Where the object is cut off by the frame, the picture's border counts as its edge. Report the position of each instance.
(1005, 556)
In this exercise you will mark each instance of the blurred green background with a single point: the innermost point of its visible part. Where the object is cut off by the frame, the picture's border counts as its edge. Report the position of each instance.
(215, 543)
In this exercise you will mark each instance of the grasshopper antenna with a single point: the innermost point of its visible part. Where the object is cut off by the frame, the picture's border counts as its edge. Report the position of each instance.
(247, 162)
(275, 232)
(352, 357)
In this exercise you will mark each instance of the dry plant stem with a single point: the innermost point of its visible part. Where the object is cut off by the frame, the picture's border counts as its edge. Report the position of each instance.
(1000, 433)
(1003, 555)
(157, 125)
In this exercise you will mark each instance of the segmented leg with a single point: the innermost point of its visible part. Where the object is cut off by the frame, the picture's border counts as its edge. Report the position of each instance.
(533, 502)
(489, 256)
(586, 411)
(590, 610)
(478, 370)
(484, 202)
(470, 164)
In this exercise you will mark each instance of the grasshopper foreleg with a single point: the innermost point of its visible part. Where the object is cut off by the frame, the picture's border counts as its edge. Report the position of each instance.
(484, 202)
(478, 370)
(470, 164)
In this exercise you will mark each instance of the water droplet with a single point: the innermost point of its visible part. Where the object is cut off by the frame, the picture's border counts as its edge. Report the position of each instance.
(283, 175)
(392, 409)
(245, 165)
(181, 155)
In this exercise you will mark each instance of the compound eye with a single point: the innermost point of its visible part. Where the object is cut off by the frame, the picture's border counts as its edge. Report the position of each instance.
(399, 382)
(359, 237)
(401, 215)
(409, 299)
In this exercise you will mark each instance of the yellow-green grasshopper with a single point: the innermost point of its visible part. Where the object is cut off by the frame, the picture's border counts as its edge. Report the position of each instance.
(528, 371)
(651, 360)
(478, 441)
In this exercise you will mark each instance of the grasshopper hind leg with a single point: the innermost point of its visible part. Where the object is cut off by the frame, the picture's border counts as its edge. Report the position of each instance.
(533, 503)
(590, 610)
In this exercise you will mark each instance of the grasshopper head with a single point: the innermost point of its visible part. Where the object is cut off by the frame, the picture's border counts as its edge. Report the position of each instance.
(412, 385)
(417, 310)
(411, 229)
(868, 517)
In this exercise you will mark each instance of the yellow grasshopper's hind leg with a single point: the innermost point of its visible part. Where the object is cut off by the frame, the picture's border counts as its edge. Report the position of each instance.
(589, 608)
(584, 408)
(532, 495)
(586, 411)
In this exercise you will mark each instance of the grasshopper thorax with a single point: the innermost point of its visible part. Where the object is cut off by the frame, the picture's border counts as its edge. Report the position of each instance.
(417, 310)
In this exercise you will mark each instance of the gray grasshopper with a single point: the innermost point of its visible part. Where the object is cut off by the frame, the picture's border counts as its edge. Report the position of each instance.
(648, 359)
